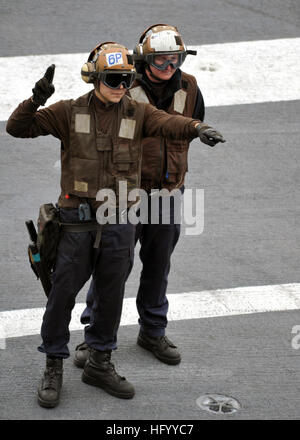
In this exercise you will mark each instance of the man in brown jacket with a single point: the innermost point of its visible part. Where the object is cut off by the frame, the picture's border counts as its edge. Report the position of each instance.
(101, 134)
(159, 54)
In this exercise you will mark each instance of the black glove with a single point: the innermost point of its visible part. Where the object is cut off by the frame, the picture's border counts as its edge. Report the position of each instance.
(44, 88)
(209, 135)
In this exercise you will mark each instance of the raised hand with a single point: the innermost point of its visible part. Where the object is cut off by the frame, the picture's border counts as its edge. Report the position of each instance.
(44, 88)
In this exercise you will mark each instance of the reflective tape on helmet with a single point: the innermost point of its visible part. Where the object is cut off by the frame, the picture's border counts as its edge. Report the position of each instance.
(164, 41)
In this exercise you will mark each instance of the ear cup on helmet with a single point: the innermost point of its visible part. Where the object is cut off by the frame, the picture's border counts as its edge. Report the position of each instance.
(137, 53)
(138, 50)
(88, 72)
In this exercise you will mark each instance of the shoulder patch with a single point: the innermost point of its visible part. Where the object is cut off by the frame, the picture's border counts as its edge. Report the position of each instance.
(138, 94)
(179, 101)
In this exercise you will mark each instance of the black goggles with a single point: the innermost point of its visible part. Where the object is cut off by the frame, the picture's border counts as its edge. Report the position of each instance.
(160, 62)
(114, 80)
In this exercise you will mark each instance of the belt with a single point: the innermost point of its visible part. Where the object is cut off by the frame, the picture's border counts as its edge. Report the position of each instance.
(84, 227)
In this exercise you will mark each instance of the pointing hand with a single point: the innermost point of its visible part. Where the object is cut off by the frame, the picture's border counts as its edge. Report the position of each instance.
(209, 135)
(44, 88)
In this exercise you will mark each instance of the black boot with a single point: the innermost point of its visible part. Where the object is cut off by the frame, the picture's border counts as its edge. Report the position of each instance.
(162, 348)
(51, 382)
(82, 353)
(100, 372)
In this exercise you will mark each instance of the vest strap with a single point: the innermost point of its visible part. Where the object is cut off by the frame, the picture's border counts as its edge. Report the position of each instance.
(98, 236)
(84, 227)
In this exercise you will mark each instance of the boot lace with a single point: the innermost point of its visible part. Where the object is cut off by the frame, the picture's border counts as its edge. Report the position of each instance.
(166, 342)
(52, 376)
(111, 367)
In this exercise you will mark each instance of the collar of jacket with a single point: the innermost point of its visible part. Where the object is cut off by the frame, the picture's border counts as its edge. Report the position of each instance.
(174, 84)
(100, 105)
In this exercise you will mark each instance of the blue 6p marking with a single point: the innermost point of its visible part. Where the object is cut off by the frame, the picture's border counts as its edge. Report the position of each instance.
(114, 58)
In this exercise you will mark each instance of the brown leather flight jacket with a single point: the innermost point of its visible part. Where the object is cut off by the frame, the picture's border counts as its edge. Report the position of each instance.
(84, 170)
(165, 161)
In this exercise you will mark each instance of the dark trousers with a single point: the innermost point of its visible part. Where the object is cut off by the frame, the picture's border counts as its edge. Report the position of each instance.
(158, 242)
(77, 260)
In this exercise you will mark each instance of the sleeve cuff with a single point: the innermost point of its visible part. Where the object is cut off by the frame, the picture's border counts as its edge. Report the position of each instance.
(31, 105)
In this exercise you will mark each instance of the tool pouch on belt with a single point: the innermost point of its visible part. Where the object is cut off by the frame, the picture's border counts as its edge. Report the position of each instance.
(48, 235)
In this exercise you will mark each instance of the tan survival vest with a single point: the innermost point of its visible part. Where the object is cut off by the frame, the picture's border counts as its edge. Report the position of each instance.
(96, 160)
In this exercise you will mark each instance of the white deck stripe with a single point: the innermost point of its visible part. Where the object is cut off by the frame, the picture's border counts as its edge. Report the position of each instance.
(189, 305)
(228, 74)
